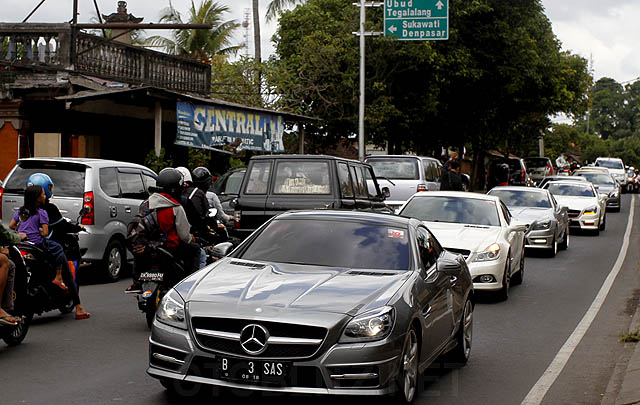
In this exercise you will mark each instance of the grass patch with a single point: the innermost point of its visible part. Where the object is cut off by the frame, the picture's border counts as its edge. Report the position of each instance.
(630, 337)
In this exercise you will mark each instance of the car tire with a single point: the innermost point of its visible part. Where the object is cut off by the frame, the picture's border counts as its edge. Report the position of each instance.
(564, 245)
(518, 278)
(67, 307)
(554, 248)
(115, 258)
(603, 225)
(409, 375)
(464, 337)
(503, 294)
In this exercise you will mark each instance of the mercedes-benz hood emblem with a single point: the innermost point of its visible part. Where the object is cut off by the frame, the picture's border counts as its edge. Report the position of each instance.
(253, 339)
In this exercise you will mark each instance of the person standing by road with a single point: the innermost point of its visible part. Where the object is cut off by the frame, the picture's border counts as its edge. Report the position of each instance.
(451, 179)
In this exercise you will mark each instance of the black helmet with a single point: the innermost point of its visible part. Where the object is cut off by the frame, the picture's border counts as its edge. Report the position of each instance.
(170, 181)
(201, 178)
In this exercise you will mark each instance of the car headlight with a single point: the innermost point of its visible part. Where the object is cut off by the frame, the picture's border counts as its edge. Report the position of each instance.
(490, 253)
(171, 310)
(541, 226)
(590, 211)
(614, 193)
(372, 325)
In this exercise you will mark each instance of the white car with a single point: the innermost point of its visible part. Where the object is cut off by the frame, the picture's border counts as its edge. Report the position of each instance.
(480, 228)
(587, 208)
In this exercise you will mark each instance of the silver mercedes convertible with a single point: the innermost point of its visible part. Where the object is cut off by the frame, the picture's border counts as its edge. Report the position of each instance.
(318, 302)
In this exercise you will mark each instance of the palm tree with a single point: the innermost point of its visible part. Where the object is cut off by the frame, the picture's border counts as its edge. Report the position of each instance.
(198, 44)
(277, 5)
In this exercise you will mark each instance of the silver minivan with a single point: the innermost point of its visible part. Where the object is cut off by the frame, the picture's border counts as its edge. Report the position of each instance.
(405, 175)
(111, 190)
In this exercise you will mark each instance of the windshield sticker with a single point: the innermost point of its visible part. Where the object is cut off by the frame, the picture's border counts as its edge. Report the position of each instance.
(395, 234)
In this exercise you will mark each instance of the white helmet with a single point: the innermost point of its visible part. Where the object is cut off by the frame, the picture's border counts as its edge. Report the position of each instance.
(186, 174)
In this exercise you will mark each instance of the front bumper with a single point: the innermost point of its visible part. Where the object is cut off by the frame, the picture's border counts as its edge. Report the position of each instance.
(539, 239)
(494, 268)
(613, 202)
(175, 355)
(586, 222)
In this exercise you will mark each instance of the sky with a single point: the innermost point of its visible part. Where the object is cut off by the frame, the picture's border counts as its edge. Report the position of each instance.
(607, 32)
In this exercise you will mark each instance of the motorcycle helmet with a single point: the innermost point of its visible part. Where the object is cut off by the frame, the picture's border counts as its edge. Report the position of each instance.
(186, 175)
(42, 180)
(201, 178)
(170, 181)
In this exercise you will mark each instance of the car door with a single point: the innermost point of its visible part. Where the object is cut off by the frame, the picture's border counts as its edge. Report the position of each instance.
(253, 195)
(431, 174)
(561, 215)
(437, 299)
(132, 193)
(360, 187)
(345, 182)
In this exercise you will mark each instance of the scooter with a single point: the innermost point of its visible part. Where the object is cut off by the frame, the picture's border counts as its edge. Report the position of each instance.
(14, 335)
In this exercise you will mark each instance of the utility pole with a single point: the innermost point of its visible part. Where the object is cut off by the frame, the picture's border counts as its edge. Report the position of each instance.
(362, 33)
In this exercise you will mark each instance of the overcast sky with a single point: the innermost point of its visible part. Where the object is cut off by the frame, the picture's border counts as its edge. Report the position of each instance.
(607, 31)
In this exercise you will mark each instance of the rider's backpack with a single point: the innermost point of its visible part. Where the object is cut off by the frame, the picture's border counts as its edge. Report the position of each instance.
(143, 232)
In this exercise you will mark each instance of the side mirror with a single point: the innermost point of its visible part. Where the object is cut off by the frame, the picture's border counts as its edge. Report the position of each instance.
(233, 203)
(518, 227)
(222, 249)
(448, 266)
(596, 186)
(385, 192)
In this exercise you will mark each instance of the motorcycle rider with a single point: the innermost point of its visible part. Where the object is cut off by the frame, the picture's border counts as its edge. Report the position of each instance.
(59, 227)
(203, 179)
(7, 275)
(173, 223)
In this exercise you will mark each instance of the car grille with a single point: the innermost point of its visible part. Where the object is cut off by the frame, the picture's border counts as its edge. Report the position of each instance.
(465, 253)
(574, 213)
(222, 335)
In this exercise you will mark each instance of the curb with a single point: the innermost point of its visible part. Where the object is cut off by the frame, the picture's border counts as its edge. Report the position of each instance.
(630, 388)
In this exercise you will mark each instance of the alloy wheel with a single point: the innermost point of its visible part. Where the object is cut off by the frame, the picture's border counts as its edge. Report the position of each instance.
(410, 366)
(467, 331)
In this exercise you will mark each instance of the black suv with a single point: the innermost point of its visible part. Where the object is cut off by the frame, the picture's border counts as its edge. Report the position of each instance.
(279, 183)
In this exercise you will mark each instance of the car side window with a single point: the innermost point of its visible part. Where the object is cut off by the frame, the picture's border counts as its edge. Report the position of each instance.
(361, 191)
(258, 180)
(346, 185)
(149, 181)
(109, 182)
(131, 185)
(233, 183)
(429, 174)
(427, 250)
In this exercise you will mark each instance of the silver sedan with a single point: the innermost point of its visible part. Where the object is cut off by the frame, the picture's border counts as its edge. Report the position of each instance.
(548, 221)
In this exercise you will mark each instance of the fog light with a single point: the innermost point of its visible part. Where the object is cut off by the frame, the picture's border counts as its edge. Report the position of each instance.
(590, 223)
(540, 241)
(487, 278)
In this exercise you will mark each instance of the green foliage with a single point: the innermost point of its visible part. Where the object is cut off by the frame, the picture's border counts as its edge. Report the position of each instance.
(201, 45)
(157, 163)
(233, 162)
(238, 82)
(198, 157)
(630, 337)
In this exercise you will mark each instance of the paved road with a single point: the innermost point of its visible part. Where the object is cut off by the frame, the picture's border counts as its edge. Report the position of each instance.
(103, 360)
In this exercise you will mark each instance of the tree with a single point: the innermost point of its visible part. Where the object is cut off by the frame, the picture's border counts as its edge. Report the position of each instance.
(201, 45)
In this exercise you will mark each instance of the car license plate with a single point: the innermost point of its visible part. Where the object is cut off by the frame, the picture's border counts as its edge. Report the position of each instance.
(253, 371)
(151, 276)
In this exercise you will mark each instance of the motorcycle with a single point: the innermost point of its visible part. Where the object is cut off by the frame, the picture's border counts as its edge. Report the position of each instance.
(163, 272)
(14, 335)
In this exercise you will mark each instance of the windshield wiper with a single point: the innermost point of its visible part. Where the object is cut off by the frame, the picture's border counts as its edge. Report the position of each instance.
(384, 178)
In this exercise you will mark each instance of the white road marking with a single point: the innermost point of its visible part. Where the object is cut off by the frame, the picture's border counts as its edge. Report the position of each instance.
(552, 372)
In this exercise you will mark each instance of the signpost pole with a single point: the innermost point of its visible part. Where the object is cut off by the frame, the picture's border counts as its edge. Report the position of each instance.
(361, 147)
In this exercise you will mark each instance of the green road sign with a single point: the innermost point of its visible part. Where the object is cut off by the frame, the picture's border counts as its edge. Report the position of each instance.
(416, 20)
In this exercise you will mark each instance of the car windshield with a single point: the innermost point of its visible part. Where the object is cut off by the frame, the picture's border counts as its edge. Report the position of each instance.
(396, 168)
(536, 162)
(597, 178)
(518, 198)
(68, 180)
(574, 190)
(610, 164)
(346, 244)
(461, 210)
